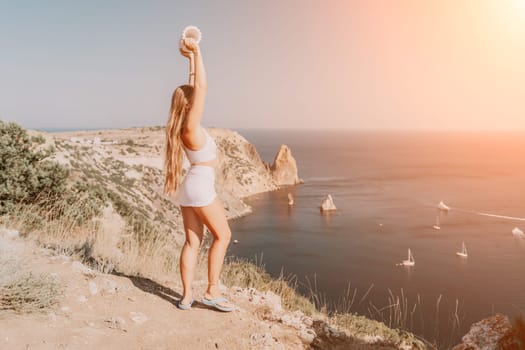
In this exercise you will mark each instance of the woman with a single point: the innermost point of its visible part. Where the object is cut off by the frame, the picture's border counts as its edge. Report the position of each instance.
(196, 194)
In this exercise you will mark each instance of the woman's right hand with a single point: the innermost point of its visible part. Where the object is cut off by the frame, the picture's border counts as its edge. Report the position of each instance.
(184, 51)
(190, 44)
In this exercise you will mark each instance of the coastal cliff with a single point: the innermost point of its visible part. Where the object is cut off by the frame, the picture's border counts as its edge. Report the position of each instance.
(129, 164)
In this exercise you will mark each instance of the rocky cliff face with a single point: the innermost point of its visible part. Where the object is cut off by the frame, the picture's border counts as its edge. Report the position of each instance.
(284, 168)
(128, 164)
(485, 334)
(241, 172)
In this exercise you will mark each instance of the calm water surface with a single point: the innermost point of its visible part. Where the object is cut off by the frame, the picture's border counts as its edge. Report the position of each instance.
(396, 179)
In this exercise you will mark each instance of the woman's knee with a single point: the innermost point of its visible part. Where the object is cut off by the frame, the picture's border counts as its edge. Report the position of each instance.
(193, 243)
(224, 236)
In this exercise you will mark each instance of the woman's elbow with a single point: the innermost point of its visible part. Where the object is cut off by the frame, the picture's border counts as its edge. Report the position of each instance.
(201, 85)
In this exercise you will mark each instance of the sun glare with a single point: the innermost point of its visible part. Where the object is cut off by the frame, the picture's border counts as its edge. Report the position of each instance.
(518, 9)
(511, 17)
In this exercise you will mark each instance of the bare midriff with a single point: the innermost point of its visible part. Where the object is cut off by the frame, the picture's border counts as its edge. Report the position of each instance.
(211, 163)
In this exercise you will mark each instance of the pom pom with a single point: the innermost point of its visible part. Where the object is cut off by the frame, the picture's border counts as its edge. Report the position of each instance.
(193, 33)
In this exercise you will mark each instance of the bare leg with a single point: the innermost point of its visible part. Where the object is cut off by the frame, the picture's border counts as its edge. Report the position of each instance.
(214, 217)
(193, 229)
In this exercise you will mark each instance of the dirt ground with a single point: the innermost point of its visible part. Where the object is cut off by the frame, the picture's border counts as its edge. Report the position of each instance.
(108, 311)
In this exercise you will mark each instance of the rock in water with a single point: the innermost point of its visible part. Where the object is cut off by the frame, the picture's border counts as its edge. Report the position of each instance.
(328, 204)
(485, 334)
(284, 168)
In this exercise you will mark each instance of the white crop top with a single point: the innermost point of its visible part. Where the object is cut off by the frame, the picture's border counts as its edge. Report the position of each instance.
(206, 153)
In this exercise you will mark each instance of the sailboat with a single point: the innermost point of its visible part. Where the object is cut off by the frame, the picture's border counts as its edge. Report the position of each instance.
(410, 261)
(436, 225)
(463, 252)
(517, 232)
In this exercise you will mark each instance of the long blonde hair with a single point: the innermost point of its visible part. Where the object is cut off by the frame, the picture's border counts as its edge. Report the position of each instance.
(180, 102)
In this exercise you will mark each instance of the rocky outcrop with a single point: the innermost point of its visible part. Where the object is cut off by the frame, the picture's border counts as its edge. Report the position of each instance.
(317, 332)
(485, 334)
(284, 168)
(241, 172)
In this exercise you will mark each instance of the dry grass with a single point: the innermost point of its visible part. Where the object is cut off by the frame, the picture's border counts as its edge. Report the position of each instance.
(126, 251)
(242, 273)
(22, 291)
(30, 293)
(156, 257)
(362, 327)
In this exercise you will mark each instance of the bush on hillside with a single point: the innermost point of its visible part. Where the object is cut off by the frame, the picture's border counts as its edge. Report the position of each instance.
(29, 177)
(26, 175)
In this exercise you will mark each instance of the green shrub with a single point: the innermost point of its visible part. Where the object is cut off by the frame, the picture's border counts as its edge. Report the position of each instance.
(29, 178)
(26, 175)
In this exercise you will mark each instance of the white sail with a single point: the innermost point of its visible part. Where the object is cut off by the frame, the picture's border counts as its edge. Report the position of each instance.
(410, 261)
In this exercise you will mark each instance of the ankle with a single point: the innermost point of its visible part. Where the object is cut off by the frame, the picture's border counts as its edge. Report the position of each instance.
(213, 289)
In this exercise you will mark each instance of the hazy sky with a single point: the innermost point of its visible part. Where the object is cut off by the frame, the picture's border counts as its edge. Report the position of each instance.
(439, 64)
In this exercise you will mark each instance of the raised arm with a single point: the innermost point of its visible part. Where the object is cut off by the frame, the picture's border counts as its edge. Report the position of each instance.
(199, 83)
(191, 80)
(189, 54)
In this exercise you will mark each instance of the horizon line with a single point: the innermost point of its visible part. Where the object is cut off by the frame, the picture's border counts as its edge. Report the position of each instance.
(79, 129)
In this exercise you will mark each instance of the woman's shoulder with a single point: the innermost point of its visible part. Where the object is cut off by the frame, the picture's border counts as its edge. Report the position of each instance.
(192, 138)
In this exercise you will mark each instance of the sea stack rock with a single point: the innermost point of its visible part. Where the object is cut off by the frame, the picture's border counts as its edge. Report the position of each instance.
(328, 204)
(284, 168)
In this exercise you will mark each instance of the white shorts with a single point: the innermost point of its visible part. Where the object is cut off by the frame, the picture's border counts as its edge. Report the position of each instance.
(198, 187)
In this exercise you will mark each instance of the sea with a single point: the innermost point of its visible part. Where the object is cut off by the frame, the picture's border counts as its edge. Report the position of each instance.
(386, 186)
